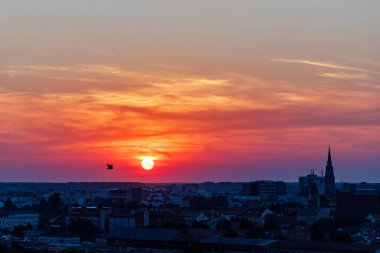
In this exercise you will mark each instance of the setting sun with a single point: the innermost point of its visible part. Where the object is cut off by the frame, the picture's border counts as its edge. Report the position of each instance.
(147, 163)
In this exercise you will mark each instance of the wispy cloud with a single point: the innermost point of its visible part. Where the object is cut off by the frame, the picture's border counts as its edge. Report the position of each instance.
(46, 71)
(346, 76)
(322, 64)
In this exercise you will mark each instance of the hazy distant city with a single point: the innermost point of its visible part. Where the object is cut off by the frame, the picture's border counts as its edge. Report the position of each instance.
(313, 215)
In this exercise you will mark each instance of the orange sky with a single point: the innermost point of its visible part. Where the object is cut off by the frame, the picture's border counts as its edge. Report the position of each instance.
(212, 91)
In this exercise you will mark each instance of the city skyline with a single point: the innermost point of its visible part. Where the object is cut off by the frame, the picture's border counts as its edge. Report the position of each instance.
(210, 90)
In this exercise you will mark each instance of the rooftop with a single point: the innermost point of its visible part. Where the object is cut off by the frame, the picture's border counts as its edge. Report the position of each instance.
(147, 234)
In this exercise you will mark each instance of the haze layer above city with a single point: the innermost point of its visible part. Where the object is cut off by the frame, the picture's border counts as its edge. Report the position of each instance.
(207, 90)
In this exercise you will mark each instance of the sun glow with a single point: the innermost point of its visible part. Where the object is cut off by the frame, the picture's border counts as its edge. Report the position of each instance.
(147, 163)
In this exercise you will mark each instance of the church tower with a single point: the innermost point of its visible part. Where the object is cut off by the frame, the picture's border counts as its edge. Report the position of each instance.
(329, 177)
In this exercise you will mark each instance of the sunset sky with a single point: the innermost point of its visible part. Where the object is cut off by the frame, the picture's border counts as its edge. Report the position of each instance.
(212, 90)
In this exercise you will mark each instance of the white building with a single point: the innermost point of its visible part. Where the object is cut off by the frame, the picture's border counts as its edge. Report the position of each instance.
(176, 200)
(119, 222)
(21, 201)
(59, 237)
(10, 220)
(312, 214)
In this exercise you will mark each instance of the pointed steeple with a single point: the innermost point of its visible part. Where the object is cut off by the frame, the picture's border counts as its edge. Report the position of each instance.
(329, 177)
(329, 162)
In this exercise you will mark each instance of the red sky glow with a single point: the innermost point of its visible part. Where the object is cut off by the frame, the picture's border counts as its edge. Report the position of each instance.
(211, 91)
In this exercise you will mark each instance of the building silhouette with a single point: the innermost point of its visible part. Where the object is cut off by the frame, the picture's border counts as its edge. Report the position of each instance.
(264, 188)
(310, 181)
(329, 177)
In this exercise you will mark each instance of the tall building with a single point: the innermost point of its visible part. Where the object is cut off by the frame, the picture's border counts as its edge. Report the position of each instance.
(264, 188)
(305, 182)
(329, 177)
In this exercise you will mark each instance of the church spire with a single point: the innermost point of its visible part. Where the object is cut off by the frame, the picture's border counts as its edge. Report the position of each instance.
(329, 177)
(329, 162)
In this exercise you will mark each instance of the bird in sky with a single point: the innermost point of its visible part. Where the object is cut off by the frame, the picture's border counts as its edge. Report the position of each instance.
(109, 166)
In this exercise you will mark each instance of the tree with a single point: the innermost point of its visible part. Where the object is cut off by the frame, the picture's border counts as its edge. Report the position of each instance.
(15, 247)
(82, 228)
(271, 224)
(18, 231)
(199, 202)
(342, 237)
(42, 206)
(54, 203)
(28, 226)
(348, 221)
(245, 223)
(197, 224)
(218, 202)
(279, 237)
(255, 232)
(223, 224)
(324, 201)
(9, 205)
(322, 230)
